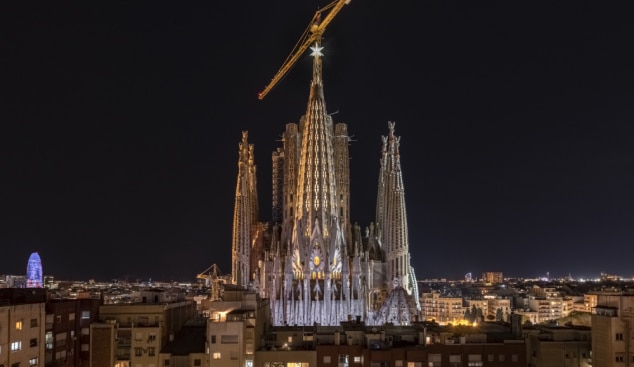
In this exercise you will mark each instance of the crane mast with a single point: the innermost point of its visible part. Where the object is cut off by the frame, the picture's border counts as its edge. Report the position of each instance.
(312, 34)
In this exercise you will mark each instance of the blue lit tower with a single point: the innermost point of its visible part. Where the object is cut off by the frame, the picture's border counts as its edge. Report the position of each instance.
(34, 271)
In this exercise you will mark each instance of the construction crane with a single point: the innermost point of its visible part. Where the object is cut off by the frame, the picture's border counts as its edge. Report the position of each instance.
(312, 34)
(213, 279)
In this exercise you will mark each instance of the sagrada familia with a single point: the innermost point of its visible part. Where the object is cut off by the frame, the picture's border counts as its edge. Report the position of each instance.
(311, 262)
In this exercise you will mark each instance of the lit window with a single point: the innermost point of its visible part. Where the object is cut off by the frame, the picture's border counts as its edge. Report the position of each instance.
(33, 362)
(18, 325)
(326, 359)
(85, 314)
(216, 355)
(85, 347)
(71, 316)
(16, 346)
(357, 359)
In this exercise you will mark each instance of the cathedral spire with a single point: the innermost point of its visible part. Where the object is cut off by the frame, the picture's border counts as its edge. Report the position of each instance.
(316, 192)
(245, 214)
(391, 212)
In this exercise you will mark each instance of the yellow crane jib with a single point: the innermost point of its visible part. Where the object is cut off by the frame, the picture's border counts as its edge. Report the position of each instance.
(313, 33)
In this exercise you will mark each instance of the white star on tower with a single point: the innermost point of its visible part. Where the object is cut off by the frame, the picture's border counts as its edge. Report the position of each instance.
(316, 51)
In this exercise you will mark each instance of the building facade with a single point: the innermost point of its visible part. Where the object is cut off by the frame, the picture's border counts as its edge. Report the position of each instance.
(613, 330)
(129, 335)
(22, 313)
(312, 262)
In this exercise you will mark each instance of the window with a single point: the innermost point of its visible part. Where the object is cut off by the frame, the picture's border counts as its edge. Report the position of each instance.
(85, 347)
(197, 362)
(34, 323)
(138, 351)
(151, 337)
(33, 361)
(290, 339)
(501, 357)
(398, 363)
(16, 346)
(514, 357)
(619, 336)
(71, 316)
(474, 360)
(85, 315)
(85, 331)
(491, 357)
(138, 335)
(216, 355)
(433, 360)
(60, 339)
(166, 362)
(49, 340)
(151, 351)
(18, 325)
(327, 359)
(60, 356)
(343, 360)
(17, 364)
(619, 359)
(229, 339)
(357, 359)
(455, 360)
(213, 339)
(33, 342)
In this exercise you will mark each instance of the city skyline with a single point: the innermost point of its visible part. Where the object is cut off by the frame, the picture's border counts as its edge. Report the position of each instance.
(122, 126)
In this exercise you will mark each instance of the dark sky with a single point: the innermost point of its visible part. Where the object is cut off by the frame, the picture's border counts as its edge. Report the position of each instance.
(121, 123)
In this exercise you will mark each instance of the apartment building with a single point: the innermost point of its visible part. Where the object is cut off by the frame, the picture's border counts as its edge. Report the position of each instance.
(442, 310)
(613, 330)
(22, 329)
(132, 335)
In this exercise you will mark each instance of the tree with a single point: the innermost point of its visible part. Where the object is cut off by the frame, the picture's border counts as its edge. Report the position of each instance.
(467, 315)
(474, 313)
(499, 315)
(479, 316)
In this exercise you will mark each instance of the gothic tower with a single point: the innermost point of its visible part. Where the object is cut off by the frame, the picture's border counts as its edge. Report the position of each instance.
(391, 215)
(245, 214)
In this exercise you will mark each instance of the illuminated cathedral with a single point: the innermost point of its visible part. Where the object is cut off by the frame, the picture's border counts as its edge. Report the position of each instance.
(313, 264)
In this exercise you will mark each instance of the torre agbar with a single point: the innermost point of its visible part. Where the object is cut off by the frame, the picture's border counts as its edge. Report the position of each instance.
(310, 261)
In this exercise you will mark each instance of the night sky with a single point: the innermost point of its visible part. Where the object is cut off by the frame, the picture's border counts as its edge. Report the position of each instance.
(121, 123)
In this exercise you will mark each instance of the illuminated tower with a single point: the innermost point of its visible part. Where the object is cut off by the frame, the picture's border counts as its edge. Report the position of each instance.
(245, 215)
(34, 271)
(391, 216)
